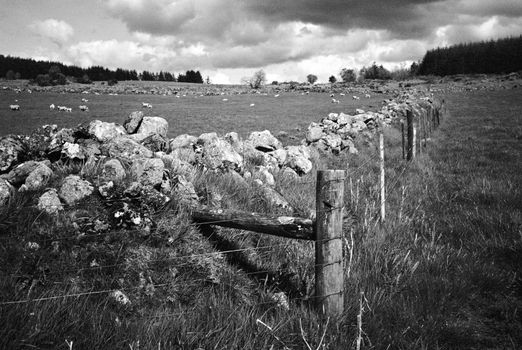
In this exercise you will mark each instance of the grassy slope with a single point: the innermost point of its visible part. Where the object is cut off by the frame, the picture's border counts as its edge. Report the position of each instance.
(443, 272)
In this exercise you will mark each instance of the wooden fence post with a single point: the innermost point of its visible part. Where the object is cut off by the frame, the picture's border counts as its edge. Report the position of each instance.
(329, 274)
(383, 194)
(403, 143)
(414, 143)
(409, 125)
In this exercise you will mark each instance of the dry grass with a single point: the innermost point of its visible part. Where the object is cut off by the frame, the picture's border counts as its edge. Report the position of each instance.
(443, 272)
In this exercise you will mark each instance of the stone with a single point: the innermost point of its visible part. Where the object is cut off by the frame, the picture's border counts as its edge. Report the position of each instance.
(207, 138)
(183, 141)
(299, 159)
(106, 189)
(262, 173)
(113, 171)
(156, 143)
(359, 126)
(126, 148)
(148, 171)
(314, 133)
(185, 192)
(103, 131)
(11, 148)
(233, 139)
(74, 189)
(38, 178)
(152, 125)
(133, 121)
(343, 119)
(279, 155)
(49, 202)
(333, 117)
(217, 153)
(6, 190)
(72, 150)
(333, 141)
(264, 141)
(60, 138)
(359, 111)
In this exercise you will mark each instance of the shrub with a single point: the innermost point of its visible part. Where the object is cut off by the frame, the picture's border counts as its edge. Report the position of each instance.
(43, 80)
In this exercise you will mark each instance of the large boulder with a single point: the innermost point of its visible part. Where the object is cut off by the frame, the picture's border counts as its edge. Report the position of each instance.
(264, 141)
(113, 171)
(148, 171)
(74, 189)
(214, 153)
(298, 159)
(103, 131)
(151, 125)
(11, 148)
(183, 141)
(38, 178)
(126, 148)
(49, 202)
(333, 141)
(133, 121)
(156, 143)
(314, 133)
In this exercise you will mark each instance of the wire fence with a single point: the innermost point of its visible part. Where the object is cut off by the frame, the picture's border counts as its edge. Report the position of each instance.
(368, 166)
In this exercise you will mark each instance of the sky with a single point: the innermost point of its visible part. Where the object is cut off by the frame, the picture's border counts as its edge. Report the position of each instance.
(227, 40)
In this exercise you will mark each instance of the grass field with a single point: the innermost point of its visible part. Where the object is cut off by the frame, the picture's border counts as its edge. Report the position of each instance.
(191, 114)
(443, 272)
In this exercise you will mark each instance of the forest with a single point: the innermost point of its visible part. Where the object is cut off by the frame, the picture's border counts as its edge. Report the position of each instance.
(27, 68)
(487, 57)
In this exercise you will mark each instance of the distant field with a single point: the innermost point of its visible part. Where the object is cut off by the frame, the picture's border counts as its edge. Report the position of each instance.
(190, 114)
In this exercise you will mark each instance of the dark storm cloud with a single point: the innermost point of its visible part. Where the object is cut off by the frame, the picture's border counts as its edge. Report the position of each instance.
(404, 18)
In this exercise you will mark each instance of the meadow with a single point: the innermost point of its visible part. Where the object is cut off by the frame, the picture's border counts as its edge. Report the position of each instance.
(443, 271)
(193, 114)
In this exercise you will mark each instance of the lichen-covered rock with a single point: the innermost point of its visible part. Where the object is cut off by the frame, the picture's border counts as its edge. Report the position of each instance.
(72, 150)
(333, 141)
(113, 171)
(126, 148)
(103, 131)
(49, 202)
(213, 153)
(39, 140)
(262, 173)
(298, 159)
(279, 155)
(156, 143)
(133, 121)
(314, 133)
(11, 148)
(264, 141)
(183, 141)
(19, 174)
(6, 190)
(38, 178)
(74, 189)
(152, 125)
(185, 192)
(148, 171)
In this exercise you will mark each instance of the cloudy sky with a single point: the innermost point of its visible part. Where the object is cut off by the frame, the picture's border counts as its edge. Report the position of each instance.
(231, 39)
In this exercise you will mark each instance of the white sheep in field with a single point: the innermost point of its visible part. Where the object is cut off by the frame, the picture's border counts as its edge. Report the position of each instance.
(68, 109)
(146, 105)
(356, 97)
(14, 107)
(84, 108)
(341, 94)
(367, 96)
(277, 95)
(84, 100)
(225, 99)
(334, 100)
(52, 107)
(62, 108)
(332, 95)
(252, 104)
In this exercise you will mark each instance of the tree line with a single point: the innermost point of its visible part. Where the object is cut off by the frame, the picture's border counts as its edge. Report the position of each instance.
(487, 57)
(27, 68)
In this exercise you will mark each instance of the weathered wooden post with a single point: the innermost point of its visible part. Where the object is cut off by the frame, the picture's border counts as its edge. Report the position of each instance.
(329, 274)
(383, 194)
(402, 134)
(414, 144)
(409, 125)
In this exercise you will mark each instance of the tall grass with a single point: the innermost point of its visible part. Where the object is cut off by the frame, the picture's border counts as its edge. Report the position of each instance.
(443, 271)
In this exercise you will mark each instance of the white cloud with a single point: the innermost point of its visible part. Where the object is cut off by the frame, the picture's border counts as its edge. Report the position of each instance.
(57, 31)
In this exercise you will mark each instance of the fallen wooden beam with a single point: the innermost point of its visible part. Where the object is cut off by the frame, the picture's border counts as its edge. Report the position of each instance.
(282, 226)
